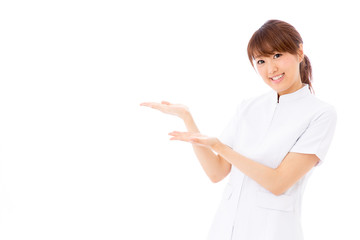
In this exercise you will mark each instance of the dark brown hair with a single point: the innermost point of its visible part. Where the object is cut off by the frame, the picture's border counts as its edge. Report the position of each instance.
(279, 36)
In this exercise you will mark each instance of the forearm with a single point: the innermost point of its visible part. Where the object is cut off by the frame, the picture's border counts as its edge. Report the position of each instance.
(263, 175)
(210, 162)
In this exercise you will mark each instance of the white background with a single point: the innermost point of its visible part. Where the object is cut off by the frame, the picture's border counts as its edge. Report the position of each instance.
(80, 159)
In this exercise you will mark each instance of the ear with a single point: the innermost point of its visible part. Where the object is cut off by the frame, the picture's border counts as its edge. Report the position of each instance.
(301, 52)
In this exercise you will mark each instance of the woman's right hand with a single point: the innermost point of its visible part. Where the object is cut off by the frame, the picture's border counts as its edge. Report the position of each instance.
(179, 110)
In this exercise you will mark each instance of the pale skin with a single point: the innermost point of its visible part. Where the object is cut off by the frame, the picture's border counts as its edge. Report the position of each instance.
(218, 165)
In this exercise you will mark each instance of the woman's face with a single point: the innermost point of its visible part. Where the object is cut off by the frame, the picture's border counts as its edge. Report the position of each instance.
(280, 71)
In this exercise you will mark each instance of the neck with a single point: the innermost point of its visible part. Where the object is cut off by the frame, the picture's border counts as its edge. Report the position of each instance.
(292, 89)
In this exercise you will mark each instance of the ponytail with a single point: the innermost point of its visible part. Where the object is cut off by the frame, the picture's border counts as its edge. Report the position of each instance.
(306, 72)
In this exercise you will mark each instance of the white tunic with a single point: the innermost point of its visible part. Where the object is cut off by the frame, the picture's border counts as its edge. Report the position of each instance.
(265, 130)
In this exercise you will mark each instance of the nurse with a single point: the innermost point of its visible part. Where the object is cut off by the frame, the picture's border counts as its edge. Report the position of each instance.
(269, 147)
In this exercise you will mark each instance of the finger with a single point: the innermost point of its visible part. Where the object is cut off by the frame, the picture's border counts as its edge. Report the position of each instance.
(174, 132)
(182, 134)
(165, 102)
(151, 104)
(146, 104)
(179, 138)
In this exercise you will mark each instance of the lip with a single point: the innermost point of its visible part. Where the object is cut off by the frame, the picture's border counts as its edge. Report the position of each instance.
(279, 80)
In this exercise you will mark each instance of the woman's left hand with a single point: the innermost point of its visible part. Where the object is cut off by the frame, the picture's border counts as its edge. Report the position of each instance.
(195, 138)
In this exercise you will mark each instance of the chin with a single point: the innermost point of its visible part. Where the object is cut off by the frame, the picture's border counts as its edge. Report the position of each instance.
(275, 87)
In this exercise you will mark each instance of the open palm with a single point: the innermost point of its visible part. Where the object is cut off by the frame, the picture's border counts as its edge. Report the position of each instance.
(196, 138)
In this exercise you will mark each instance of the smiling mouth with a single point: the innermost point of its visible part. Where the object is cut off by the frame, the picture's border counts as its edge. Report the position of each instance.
(277, 77)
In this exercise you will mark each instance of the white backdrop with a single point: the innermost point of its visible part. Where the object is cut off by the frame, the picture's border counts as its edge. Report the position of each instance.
(80, 159)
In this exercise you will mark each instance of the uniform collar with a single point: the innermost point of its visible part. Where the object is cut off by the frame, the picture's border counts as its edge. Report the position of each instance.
(302, 92)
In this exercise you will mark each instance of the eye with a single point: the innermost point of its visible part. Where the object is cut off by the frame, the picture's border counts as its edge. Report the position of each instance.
(277, 55)
(260, 62)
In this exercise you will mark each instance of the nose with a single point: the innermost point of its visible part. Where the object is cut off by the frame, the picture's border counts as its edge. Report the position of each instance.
(272, 68)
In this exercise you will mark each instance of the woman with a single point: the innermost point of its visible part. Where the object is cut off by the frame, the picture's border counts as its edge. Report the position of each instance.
(269, 147)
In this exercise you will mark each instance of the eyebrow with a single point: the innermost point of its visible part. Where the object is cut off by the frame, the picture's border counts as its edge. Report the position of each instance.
(264, 55)
(260, 56)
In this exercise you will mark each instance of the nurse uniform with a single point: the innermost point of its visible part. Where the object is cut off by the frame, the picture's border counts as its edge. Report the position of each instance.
(265, 130)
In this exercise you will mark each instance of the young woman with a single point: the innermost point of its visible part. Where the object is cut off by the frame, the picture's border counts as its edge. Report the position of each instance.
(269, 147)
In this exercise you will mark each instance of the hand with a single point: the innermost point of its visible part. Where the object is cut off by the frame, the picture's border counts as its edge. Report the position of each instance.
(166, 107)
(195, 138)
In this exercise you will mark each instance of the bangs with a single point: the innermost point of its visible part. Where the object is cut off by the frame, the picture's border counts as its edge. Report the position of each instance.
(263, 48)
(268, 40)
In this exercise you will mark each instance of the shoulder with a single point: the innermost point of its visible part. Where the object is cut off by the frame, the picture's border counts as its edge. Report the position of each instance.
(320, 107)
(314, 112)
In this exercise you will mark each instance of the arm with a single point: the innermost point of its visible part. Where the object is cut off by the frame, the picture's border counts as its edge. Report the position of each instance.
(292, 168)
(214, 166)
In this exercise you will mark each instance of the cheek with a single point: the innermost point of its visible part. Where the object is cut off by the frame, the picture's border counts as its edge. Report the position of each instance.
(292, 68)
(289, 65)
(261, 71)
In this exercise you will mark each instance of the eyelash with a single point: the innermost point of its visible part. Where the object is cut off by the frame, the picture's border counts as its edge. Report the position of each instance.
(279, 55)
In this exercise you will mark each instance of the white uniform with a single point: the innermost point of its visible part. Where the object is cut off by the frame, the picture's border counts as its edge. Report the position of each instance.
(265, 130)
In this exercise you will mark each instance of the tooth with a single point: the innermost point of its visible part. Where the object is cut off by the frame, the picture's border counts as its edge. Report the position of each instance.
(276, 78)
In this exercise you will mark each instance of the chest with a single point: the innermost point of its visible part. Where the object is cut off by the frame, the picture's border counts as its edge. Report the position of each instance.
(268, 133)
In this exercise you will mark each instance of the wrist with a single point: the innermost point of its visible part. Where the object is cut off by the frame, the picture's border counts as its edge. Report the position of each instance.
(218, 146)
(186, 116)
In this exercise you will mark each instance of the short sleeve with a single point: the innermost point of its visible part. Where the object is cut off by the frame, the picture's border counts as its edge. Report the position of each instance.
(316, 139)
(228, 134)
